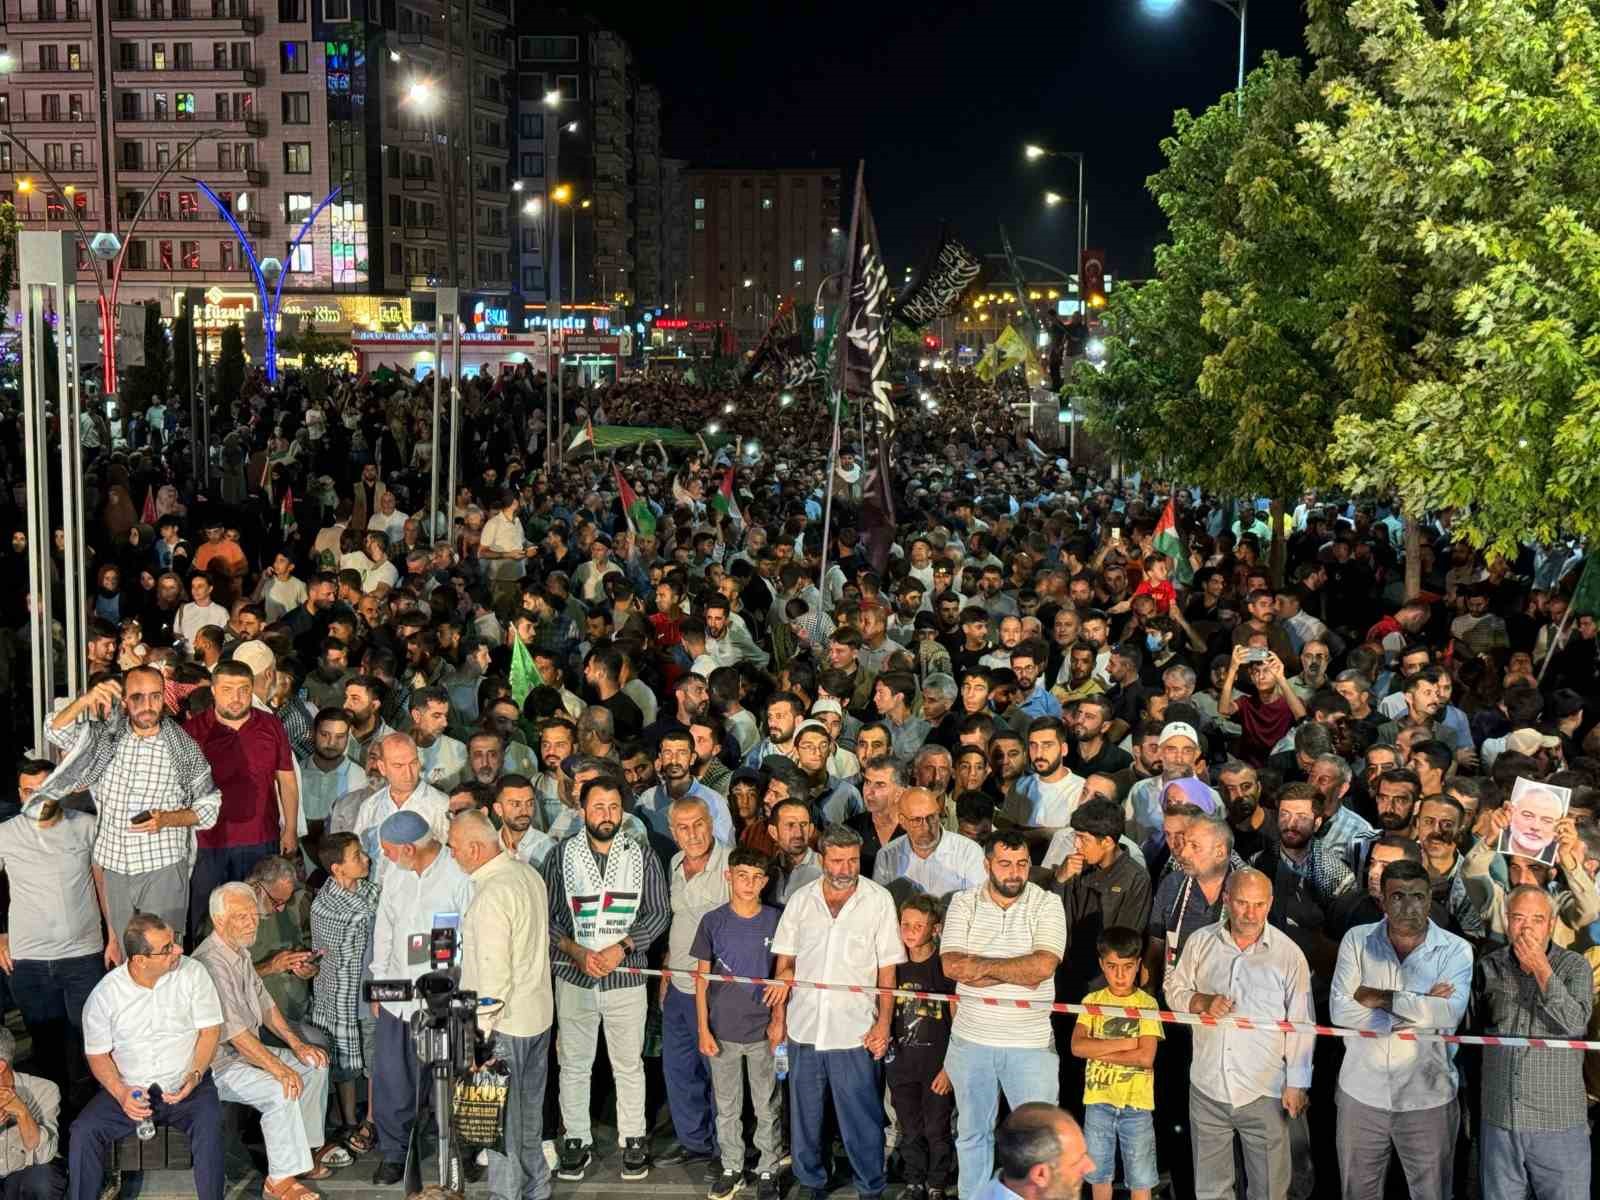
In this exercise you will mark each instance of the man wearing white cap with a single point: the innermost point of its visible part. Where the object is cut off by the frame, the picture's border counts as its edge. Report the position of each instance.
(1180, 751)
(422, 884)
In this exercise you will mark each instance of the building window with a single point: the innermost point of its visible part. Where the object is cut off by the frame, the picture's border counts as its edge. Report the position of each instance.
(297, 206)
(292, 58)
(297, 158)
(183, 56)
(184, 106)
(52, 154)
(190, 252)
(49, 58)
(224, 157)
(128, 56)
(699, 224)
(166, 255)
(699, 306)
(163, 157)
(699, 204)
(297, 108)
(5, 156)
(335, 10)
(291, 10)
(548, 49)
(799, 264)
(394, 211)
(75, 156)
(52, 107)
(74, 58)
(531, 125)
(301, 259)
(567, 85)
(225, 253)
(75, 107)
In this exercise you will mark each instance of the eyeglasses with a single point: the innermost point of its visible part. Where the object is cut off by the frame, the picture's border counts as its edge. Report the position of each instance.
(277, 905)
(166, 951)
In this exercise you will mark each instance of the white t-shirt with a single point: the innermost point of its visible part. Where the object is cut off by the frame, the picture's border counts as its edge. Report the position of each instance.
(150, 1032)
(1042, 805)
(192, 618)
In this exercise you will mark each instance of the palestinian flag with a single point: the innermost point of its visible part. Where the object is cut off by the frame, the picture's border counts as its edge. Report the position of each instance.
(1169, 543)
(585, 437)
(724, 501)
(148, 515)
(641, 518)
(286, 519)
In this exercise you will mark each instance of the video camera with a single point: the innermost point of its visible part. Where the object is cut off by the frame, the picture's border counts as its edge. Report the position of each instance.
(444, 1031)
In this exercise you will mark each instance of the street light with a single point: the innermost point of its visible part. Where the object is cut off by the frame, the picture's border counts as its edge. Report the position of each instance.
(421, 96)
(1238, 9)
(1053, 198)
(1033, 152)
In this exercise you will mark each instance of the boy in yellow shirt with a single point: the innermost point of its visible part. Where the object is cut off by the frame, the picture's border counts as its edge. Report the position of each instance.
(1119, 1076)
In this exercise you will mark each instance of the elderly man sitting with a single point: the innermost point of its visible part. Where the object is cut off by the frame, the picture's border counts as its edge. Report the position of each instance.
(288, 1087)
(29, 1141)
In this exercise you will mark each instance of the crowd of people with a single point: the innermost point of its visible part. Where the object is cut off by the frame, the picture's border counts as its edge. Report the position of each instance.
(1030, 755)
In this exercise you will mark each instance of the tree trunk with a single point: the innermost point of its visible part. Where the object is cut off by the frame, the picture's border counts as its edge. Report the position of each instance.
(1413, 539)
(1280, 543)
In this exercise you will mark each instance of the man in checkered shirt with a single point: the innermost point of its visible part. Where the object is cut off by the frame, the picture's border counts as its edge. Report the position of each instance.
(138, 765)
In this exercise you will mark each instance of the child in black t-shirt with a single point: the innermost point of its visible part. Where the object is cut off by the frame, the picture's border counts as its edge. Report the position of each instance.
(924, 1101)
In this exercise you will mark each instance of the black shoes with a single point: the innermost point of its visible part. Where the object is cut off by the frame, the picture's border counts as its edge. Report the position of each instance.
(574, 1161)
(388, 1174)
(726, 1186)
(635, 1159)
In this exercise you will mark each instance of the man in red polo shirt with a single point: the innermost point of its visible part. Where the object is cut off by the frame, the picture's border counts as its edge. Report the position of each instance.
(253, 766)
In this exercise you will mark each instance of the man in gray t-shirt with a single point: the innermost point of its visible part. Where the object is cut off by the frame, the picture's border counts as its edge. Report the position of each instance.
(54, 952)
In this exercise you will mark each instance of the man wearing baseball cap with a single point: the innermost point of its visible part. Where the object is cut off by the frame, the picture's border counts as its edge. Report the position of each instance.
(1180, 752)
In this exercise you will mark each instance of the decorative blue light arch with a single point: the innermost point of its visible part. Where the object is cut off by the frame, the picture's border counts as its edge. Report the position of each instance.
(269, 309)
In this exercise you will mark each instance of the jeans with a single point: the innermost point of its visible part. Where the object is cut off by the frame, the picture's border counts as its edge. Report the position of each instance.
(688, 1078)
(51, 993)
(853, 1079)
(291, 1129)
(102, 1124)
(581, 1010)
(1552, 1164)
(212, 869)
(734, 1061)
(46, 1181)
(1105, 1128)
(979, 1074)
(521, 1172)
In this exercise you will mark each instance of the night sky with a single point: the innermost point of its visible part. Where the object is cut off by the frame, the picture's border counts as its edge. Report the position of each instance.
(939, 100)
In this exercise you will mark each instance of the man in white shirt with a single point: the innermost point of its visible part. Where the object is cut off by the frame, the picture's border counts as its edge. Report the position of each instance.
(382, 573)
(201, 611)
(1252, 1082)
(444, 759)
(149, 1030)
(1045, 799)
(927, 858)
(422, 884)
(843, 929)
(387, 520)
(503, 550)
(1404, 973)
(280, 591)
(1001, 941)
(403, 791)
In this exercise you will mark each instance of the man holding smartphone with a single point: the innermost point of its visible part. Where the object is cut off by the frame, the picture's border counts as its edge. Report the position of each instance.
(152, 785)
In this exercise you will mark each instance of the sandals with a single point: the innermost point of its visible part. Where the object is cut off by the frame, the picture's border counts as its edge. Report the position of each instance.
(363, 1138)
(289, 1189)
(332, 1156)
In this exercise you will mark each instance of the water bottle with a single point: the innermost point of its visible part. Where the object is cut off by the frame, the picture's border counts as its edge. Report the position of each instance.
(146, 1129)
(780, 1059)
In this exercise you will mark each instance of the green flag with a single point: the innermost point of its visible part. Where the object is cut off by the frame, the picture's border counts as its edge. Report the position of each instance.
(1586, 596)
(524, 675)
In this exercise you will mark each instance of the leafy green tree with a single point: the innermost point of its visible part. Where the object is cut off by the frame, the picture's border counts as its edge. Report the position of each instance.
(1468, 138)
(230, 366)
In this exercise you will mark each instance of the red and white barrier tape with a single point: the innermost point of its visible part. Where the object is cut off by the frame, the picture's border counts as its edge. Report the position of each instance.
(1169, 1018)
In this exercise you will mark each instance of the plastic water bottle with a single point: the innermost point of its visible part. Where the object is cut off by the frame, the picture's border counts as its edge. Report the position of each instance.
(780, 1059)
(146, 1129)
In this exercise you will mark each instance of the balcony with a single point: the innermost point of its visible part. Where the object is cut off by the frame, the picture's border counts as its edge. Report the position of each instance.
(420, 183)
(57, 18)
(205, 222)
(163, 124)
(197, 17)
(143, 72)
(60, 124)
(34, 73)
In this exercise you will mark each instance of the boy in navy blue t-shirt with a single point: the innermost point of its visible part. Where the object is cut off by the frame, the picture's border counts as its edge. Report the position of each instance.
(741, 1023)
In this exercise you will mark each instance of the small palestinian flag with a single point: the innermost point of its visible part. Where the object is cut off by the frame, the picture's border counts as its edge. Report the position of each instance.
(585, 437)
(641, 519)
(620, 902)
(1167, 541)
(724, 501)
(286, 519)
(148, 516)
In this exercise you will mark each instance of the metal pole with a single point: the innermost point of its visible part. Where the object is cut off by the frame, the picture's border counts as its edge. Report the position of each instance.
(553, 294)
(572, 284)
(1244, 16)
(36, 459)
(433, 470)
(455, 409)
(191, 306)
(827, 502)
(73, 565)
(1083, 230)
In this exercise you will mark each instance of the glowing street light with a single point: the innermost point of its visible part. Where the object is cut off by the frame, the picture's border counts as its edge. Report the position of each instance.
(517, 186)
(552, 97)
(561, 193)
(533, 207)
(785, 400)
(24, 186)
(1238, 9)
(1053, 198)
(421, 95)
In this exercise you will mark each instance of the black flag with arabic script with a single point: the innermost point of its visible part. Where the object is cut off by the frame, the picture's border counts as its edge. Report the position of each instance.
(864, 332)
(937, 291)
(780, 355)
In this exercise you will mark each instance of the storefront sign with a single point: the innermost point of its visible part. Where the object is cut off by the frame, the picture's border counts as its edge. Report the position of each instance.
(592, 345)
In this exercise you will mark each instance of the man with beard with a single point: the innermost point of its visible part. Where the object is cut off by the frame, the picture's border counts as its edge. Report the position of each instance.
(307, 620)
(252, 764)
(1341, 825)
(1425, 703)
(1079, 677)
(444, 760)
(325, 682)
(288, 1087)
(1250, 1082)
(403, 791)
(1002, 942)
(710, 739)
(608, 903)
(1438, 824)
(1044, 800)
(842, 928)
(790, 827)
(1254, 828)
(675, 781)
(364, 696)
(54, 953)
(783, 716)
(693, 700)
(513, 808)
(1402, 973)
(836, 800)
(1179, 754)
(1092, 752)
(161, 615)
(557, 740)
(1395, 799)
(927, 858)
(139, 766)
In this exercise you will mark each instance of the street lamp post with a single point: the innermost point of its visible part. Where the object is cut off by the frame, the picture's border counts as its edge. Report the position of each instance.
(1239, 10)
(1032, 153)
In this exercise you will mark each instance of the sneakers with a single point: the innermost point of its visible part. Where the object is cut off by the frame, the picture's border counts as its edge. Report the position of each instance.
(574, 1161)
(726, 1185)
(914, 1191)
(679, 1155)
(635, 1159)
(767, 1186)
(936, 1193)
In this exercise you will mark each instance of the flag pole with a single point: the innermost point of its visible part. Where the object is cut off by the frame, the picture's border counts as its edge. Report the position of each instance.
(1555, 642)
(851, 249)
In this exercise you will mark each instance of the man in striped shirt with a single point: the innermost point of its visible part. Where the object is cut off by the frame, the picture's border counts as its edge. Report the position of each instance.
(1002, 941)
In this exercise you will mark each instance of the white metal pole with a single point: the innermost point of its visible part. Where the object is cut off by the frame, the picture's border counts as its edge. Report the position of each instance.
(433, 472)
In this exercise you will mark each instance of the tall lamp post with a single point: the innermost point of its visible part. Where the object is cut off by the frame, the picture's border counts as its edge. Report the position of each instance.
(1033, 153)
(1239, 9)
